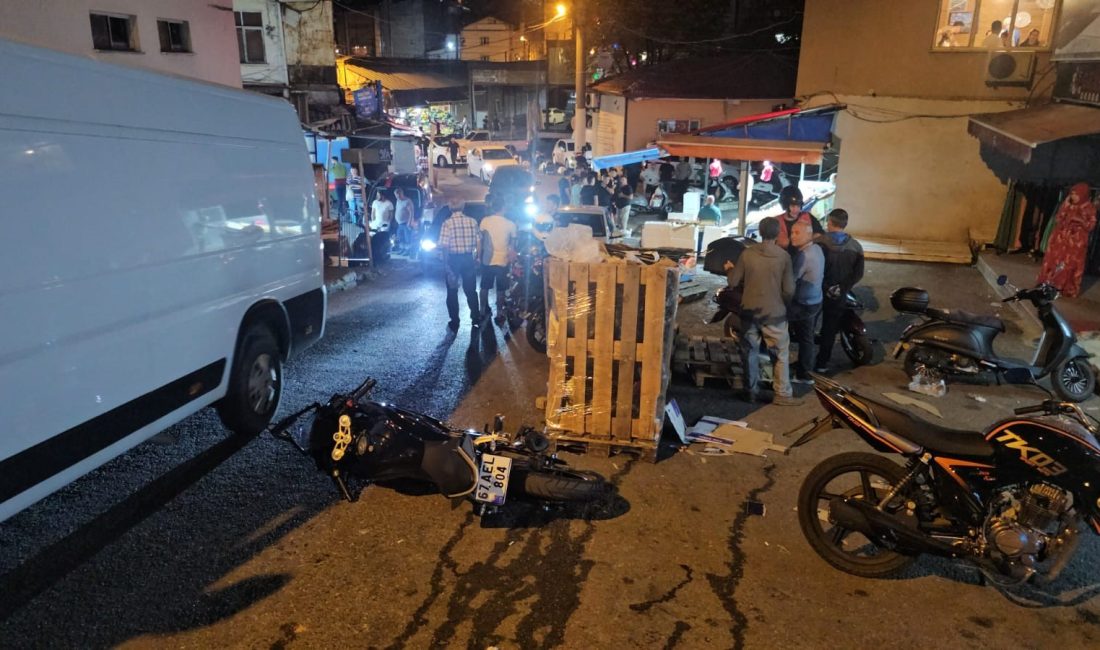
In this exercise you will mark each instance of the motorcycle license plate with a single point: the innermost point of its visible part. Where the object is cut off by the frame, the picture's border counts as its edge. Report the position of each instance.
(492, 479)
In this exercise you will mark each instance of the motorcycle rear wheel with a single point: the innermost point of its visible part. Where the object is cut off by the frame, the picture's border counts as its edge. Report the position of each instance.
(536, 332)
(564, 485)
(918, 356)
(833, 545)
(1073, 380)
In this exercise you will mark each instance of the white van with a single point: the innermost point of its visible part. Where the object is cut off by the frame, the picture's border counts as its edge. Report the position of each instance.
(161, 252)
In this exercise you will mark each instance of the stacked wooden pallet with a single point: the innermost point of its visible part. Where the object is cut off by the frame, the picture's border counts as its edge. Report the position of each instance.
(609, 338)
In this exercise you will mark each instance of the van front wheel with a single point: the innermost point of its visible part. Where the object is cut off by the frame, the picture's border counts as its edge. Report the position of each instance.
(255, 383)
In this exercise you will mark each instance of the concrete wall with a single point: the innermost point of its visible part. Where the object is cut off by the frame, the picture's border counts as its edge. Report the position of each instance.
(917, 179)
(884, 48)
(400, 29)
(65, 25)
(273, 70)
(641, 121)
(609, 125)
(308, 33)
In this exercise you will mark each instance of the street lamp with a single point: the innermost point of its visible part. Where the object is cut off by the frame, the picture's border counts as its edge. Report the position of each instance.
(560, 9)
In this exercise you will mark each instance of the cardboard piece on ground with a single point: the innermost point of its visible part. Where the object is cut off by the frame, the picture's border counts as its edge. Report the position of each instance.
(672, 412)
(748, 441)
(912, 401)
(706, 425)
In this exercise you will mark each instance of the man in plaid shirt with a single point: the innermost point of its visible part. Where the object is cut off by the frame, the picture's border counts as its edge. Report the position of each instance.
(458, 239)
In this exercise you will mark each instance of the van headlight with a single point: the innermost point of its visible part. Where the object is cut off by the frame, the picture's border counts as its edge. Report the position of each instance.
(530, 209)
(427, 245)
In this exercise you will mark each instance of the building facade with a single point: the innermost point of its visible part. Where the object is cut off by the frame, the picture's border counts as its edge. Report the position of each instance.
(190, 38)
(493, 40)
(260, 46)
(910, 74)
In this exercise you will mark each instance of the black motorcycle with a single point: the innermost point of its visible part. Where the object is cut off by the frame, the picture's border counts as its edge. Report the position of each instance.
(960, 343)
(524, 298)
(1010, 499)
(352, 437)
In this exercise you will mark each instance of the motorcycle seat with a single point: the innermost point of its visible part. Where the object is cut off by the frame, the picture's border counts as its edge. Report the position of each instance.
(966, 318)
(933, 437)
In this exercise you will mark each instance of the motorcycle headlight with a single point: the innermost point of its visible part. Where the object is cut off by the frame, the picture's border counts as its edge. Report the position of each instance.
(530, 209)
(427, 245)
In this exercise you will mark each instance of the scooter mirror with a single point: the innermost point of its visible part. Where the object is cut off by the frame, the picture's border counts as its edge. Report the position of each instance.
(1019, 376)
(1002, 280)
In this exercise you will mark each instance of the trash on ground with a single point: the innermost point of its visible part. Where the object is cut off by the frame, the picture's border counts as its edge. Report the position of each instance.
(927, 383)
(730, 437)
(978, 398)
(755, 508)
(676, 418)
(912, 401)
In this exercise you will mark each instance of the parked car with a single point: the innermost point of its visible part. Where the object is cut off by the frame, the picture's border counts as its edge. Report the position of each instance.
(439, 151)
(553, 116)
(430, 256)
(565, 154)
(483, 138)
(585, 215)
(483, 162)
(516, 188)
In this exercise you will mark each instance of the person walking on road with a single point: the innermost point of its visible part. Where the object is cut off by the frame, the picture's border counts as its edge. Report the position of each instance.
(452, 148)
(809, 271)
(339, 173)
(458, 239)
(403, 214)
(496, 249)
(765, 271)
(843, 270)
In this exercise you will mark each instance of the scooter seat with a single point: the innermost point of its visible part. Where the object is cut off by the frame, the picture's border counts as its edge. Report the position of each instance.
(967, 318)
(952, 442)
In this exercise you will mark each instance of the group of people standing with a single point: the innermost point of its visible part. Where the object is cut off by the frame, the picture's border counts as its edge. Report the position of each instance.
(799, 274)
(467, 245)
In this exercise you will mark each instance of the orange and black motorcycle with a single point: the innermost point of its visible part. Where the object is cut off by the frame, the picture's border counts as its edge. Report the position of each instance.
(1011, 499)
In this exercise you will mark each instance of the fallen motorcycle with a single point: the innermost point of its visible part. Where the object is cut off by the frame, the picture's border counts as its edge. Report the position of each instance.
(1010, 499)
(352, 437)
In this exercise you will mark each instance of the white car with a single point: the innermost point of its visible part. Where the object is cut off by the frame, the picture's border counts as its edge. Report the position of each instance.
(484, 161)
(553, 116)
(565, 154)
(439, 151)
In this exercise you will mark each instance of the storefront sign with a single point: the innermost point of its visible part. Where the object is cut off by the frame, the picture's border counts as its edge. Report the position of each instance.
(368, 100)
(506, 77)
(1078, 82)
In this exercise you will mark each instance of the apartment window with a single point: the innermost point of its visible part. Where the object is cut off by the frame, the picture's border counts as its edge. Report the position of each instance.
(114, 32)
(175, 35)
(677, 126)
(250, 36)
(1021, 24)
(484, 57)
(484, 40)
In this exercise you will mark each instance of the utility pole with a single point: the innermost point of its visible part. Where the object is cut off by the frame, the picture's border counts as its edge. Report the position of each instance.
(580, 117)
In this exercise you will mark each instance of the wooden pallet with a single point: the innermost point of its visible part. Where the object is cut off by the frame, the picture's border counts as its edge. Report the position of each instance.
(713, 357)
(602, 449)
(609, 339)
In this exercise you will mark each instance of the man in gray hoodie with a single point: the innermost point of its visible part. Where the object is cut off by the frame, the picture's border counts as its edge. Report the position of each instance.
(765, 269)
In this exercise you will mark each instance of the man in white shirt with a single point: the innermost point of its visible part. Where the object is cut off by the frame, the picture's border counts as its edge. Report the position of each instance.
(993, 39)
(495, 251)
(381, 213)
(651, 176)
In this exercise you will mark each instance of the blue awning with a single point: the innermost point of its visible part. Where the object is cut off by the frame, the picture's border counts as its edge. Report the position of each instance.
(628, 158)
(796, 125)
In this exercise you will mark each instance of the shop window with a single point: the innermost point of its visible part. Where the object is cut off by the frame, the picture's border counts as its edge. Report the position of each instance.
(1021, 24)
(175, 35)
(114, 32)
(250, 36)
(677, 126)
(484, 40)
(484, 57)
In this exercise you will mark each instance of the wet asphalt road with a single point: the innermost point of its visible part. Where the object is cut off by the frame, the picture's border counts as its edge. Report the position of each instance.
(201, 541)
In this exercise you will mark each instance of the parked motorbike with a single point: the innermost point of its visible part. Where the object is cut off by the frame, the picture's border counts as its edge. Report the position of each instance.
(352, 437)
(960, 343)
(1010, 499)
(524, 297)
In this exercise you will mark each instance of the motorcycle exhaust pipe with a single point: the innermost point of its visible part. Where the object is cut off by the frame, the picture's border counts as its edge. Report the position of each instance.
(863, 517)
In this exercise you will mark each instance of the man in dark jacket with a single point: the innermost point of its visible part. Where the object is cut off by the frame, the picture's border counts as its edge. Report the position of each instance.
(765, 270)
(843, 269)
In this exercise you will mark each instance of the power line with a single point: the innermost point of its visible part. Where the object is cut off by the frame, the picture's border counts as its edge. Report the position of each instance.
(703, 41)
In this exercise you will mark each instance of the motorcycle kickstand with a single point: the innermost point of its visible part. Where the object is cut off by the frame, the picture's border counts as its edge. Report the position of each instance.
(342, 486)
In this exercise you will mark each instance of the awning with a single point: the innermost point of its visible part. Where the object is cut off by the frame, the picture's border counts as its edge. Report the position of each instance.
(628, 158)
(1019, 133)
(786, 151)
(410, 88)
(791, 136)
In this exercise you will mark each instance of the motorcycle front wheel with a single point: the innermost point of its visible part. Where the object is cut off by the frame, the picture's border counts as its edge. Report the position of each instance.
(1073, 380)
(857, 347)
(536, 332)
(561, 485)
(855, 476)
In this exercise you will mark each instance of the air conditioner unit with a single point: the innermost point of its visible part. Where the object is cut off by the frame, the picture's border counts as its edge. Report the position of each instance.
(1005, 68)
(592, 100)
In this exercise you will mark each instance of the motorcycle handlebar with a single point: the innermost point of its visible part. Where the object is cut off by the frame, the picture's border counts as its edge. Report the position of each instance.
(1025, 410)
(362, 390)
(282, 425)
